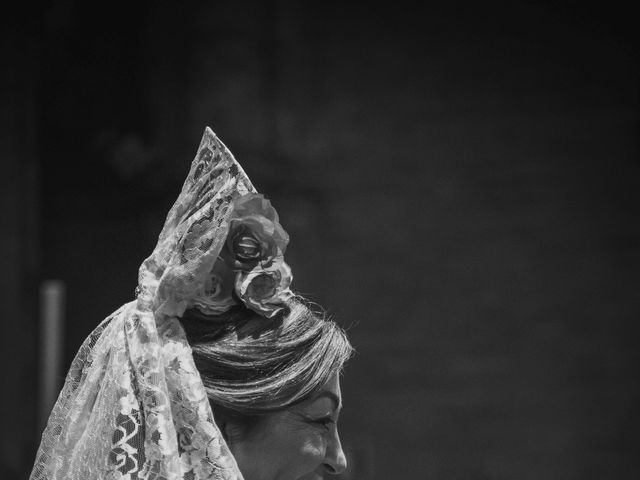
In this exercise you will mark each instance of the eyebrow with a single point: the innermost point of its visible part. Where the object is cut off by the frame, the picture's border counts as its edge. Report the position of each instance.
(331, 396)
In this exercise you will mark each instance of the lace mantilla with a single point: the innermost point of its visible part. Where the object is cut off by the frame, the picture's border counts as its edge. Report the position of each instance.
(133, 405)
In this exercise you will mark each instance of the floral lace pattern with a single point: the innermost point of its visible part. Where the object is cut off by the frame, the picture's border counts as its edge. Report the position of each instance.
(133, 405)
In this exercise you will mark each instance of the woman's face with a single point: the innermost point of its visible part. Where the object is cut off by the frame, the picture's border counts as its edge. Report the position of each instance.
(300, 443)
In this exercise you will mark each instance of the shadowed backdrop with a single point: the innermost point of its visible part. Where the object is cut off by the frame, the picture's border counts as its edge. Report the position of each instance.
(461, 186)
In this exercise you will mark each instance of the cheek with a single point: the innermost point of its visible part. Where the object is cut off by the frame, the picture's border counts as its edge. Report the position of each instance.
(307, 449)
(313, 445)
(285, 449)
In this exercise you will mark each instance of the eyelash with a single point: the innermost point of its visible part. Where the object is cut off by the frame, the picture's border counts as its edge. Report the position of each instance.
(324, 422)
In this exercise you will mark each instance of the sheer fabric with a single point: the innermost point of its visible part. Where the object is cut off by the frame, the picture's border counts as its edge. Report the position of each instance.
(133, 405)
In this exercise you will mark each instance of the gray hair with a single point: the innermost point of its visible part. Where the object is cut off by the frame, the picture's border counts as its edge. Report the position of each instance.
(252, 366)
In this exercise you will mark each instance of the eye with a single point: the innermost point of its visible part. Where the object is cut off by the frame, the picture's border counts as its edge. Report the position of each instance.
(324, 422)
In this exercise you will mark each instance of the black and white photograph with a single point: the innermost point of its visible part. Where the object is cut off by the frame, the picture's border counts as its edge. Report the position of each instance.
(278, 240)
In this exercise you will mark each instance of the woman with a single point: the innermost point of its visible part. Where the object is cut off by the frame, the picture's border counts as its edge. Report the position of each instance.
(216, 370)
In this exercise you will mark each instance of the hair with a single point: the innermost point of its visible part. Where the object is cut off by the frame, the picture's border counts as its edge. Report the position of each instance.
(252, 366)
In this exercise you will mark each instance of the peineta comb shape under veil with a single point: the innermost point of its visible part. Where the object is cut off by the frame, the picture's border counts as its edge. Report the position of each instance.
(133, 405)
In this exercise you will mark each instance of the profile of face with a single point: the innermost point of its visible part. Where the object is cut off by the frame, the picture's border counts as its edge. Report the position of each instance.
(299, 443)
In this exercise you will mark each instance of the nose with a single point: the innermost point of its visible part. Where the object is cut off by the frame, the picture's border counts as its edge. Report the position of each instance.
(335, 460)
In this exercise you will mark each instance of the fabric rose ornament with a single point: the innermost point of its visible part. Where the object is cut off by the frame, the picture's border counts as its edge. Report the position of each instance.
(251, 266)
(265, 290)
(217, 296)
(255, 250)
(255, 235)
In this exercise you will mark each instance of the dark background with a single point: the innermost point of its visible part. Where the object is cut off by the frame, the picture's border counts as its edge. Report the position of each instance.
(460, 183)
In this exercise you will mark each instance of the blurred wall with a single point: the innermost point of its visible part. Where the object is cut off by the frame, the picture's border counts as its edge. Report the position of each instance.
(460, 186)
(19, 265)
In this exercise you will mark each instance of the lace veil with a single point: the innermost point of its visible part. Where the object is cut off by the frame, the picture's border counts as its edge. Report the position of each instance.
(133, 405)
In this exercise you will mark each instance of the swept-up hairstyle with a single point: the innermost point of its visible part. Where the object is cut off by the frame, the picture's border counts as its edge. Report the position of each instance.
(251, 366)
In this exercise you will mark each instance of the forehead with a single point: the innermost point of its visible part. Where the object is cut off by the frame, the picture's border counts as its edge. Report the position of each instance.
(329, 392)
